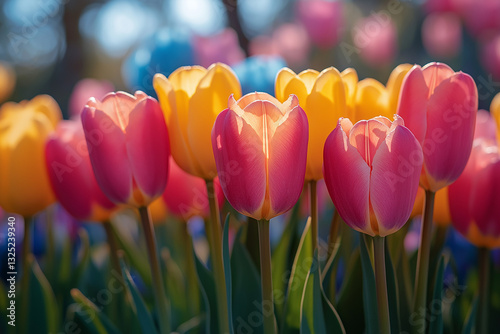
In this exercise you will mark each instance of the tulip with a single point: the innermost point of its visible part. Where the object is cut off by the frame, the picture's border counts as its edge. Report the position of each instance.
(24, 181)
(371, 171)
(485, 124)
(222, 47)
(191, 99)
(490, 55)
(439, 106)
(7, 81)
(71, 176)
(257, 74)
(495, 112)
(186, 195)
(323, 21)
(369, 98)
(84, 90)
(442, 34)
(260, 149)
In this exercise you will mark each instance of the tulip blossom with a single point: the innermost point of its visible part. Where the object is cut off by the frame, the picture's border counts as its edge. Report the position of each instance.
(371, 171)
(439, 106)
(260, 148)
(84, 90)
(191, 99)
(71, 175)
(128, 146)
(7, 81)
(442, 34)
(24, 181)
(221, 47)
(495, 112)
(490, 55)
(186, 195)
(322, 96)
(322, 21)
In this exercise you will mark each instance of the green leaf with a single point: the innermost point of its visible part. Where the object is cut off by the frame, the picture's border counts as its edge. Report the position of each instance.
(436, 320)
(392, 293)
(207, 289)
(176, 289)
(301, 265)
(317, 315)
(92, 317)
(145, 319)
(470, 321)
(43, 310)
(369, 289)
(84, 255)
(227, 272)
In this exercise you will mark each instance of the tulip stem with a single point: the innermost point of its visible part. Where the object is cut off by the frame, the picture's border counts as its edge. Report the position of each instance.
(334, 231)
(158, 283)
(113, 248)
(266, 278)
(484, 286)
(381, 283)
(25, 279)
(313, 196)
(421, 278)
(214, 233)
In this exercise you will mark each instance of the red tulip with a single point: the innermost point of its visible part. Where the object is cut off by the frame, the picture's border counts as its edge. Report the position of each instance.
(186, 195)
(474, 197)
(371, 171)
(128, 145)
(439, 106)
(260, 149)
(71, 175)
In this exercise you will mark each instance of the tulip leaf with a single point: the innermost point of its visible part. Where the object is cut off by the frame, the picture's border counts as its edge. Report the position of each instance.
(369, 289)
(281, 261)
(175, 289)
(83, 255)
(227, 273)
(247, 295)
(317, 314)
(92, 316)
(300, 268)
(43, 311)
(392, 293)
(207, 289)
(470, 321)
(436, 320)
(143, 315)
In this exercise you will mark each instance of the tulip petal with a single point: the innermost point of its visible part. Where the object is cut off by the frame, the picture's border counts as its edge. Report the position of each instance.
(287, 162)
(108, 154)
(367, 136)
(450, 129)
(347, 177)
(148, 148)
(394, 179)
(435, 73)
(241, 163)
(371, 100)
(394, 86)
(495, 112)
(118, 106)
(413, 102)
(350, 80)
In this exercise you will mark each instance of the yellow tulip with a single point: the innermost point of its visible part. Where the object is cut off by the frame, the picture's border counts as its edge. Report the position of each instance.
(495, 112)
(24, 181)
(323, 98)
(442, 215)
(7, 81)
(372, 98)
(191, 99)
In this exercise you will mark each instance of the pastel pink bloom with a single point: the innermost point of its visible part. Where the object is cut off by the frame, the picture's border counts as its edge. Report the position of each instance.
(474, 197)
(490, 55)
(442, 34)
(371, 171)
(485, 126)
(84, 90)
(376, 38)
(439, 106)
(260, 149)
(481, 17)
(223, 47)
(323, 21)
(440, 6)
(186, 195)
(71, 175)
(129, 147)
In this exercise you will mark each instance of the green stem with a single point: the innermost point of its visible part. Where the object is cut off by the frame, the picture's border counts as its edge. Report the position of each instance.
(192, 293)
(421, 278)
(484, 287)
(313, 196)
(334, 231)
(113, 248)
(215, 234)
(266, 278)
(50, 216)
(159, 288)
(381, 283)
(25, 279)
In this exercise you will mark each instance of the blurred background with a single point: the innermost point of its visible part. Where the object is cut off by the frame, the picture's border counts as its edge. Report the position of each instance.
(47, 46)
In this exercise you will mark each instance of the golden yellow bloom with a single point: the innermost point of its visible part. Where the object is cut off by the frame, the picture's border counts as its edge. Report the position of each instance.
(191, 99)
(24, 127)
(371, 98)
(158, 211)
(442, 215)
(323, 98)
(7, 81)
(495, 112)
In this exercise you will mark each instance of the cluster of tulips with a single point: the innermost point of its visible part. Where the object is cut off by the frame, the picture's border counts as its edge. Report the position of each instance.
(373, 145)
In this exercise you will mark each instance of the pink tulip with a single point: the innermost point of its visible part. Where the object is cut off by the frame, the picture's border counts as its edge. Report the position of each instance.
(442, 34)
(71, 175)
(186, 195)
(490, 55)
(84, 90)
(129, 148)
(474, 197)
(323, 21)
(439, 106)
(481, 17)
(223, 47)
(485, 126)
(260, 149)
(371, 171)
